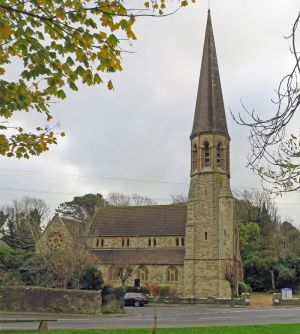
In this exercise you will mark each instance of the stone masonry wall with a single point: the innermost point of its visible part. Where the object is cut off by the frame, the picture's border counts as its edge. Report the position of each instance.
(56, 225)
(156, 274)
(137, 242)
(209, 237)
(33, 299)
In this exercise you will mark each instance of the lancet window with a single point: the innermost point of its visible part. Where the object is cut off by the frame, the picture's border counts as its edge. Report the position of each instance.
(143, 273)
(112, 274)
(206, 154)
(172, 274)
(194, 157)
(219, 154)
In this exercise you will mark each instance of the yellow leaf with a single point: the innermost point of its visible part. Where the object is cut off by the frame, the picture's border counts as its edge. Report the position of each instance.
(146, 4)
(110, 85)
(4, 146)
(5, 30)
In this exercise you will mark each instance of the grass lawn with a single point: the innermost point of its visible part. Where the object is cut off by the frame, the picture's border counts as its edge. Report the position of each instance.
(257, 329)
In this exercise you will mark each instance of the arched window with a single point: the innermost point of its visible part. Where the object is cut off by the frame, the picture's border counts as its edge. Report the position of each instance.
(143, 273)
(182, 241)
(205, 235)
(219, 154)
(206, 154)
(112, 274)
(154, 242)
(172, 274)
(194, 157)
(123, 242)
(102, 242)
(177, 242)
(127, 242)
(149, 242)
(97, 243)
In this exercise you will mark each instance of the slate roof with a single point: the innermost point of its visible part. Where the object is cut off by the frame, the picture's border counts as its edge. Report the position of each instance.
(152, 220)
(74, 227)
(209, 111)
(140, 256)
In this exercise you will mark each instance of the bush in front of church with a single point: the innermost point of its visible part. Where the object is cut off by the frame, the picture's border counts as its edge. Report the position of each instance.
(140, 289)
(91, 279)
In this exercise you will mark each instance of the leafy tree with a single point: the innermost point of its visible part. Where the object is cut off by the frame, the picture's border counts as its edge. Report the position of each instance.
(24, 222)
(250, 239)
(91, 279)
(12, 259)
(287, 273)
(58, 44)
(257, 272)
(81, 208)
(35, 271)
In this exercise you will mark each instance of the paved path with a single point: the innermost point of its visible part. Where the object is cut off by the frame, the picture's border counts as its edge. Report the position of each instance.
(171, 316)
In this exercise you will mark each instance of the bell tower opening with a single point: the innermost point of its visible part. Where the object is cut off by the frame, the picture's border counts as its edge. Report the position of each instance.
(206, 154)
(194, 157)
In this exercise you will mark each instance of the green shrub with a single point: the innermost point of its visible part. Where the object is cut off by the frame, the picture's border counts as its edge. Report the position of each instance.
(113, 296)
(91, 279)
(166, 291)
(10, 279)
(244, 288)
(141, 289)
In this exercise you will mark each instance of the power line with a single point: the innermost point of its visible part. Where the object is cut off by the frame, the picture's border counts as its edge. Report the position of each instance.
(92, 176)
(104, 178)
(37, 191)
(73, 194)
(107, 178)
(61, 193)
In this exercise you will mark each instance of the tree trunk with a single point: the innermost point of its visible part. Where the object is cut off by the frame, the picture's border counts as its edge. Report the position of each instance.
(232, 292)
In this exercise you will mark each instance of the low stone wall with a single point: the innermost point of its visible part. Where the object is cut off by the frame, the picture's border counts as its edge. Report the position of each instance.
(279, 301)
(243, 301)
(35, 299)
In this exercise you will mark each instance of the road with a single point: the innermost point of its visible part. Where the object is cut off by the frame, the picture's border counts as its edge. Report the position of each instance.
(169, 316)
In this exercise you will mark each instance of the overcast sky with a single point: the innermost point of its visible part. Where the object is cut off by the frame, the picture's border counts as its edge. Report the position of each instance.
(141, 130)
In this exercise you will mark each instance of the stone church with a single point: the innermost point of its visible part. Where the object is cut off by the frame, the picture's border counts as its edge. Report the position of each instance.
(184, 246)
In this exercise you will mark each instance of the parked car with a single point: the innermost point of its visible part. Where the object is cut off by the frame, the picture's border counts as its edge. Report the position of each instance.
(135, 299)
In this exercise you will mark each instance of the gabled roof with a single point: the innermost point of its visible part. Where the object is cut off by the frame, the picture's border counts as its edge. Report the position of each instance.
(152, 220)
(139, 256)
(209, 112)
(74, 227)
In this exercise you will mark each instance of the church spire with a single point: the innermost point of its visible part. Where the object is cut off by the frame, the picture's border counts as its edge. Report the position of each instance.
(209, 113)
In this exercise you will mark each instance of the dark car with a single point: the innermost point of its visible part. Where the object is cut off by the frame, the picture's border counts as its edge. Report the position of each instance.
(135, 299)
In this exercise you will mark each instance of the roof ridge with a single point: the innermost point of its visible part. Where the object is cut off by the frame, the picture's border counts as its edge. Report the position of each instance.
(141, 206)
(72, 220)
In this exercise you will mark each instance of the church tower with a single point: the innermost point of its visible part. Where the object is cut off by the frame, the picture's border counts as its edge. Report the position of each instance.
(210, 234)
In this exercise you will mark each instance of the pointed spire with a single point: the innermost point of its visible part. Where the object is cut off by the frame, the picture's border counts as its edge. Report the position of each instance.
(209, 112)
